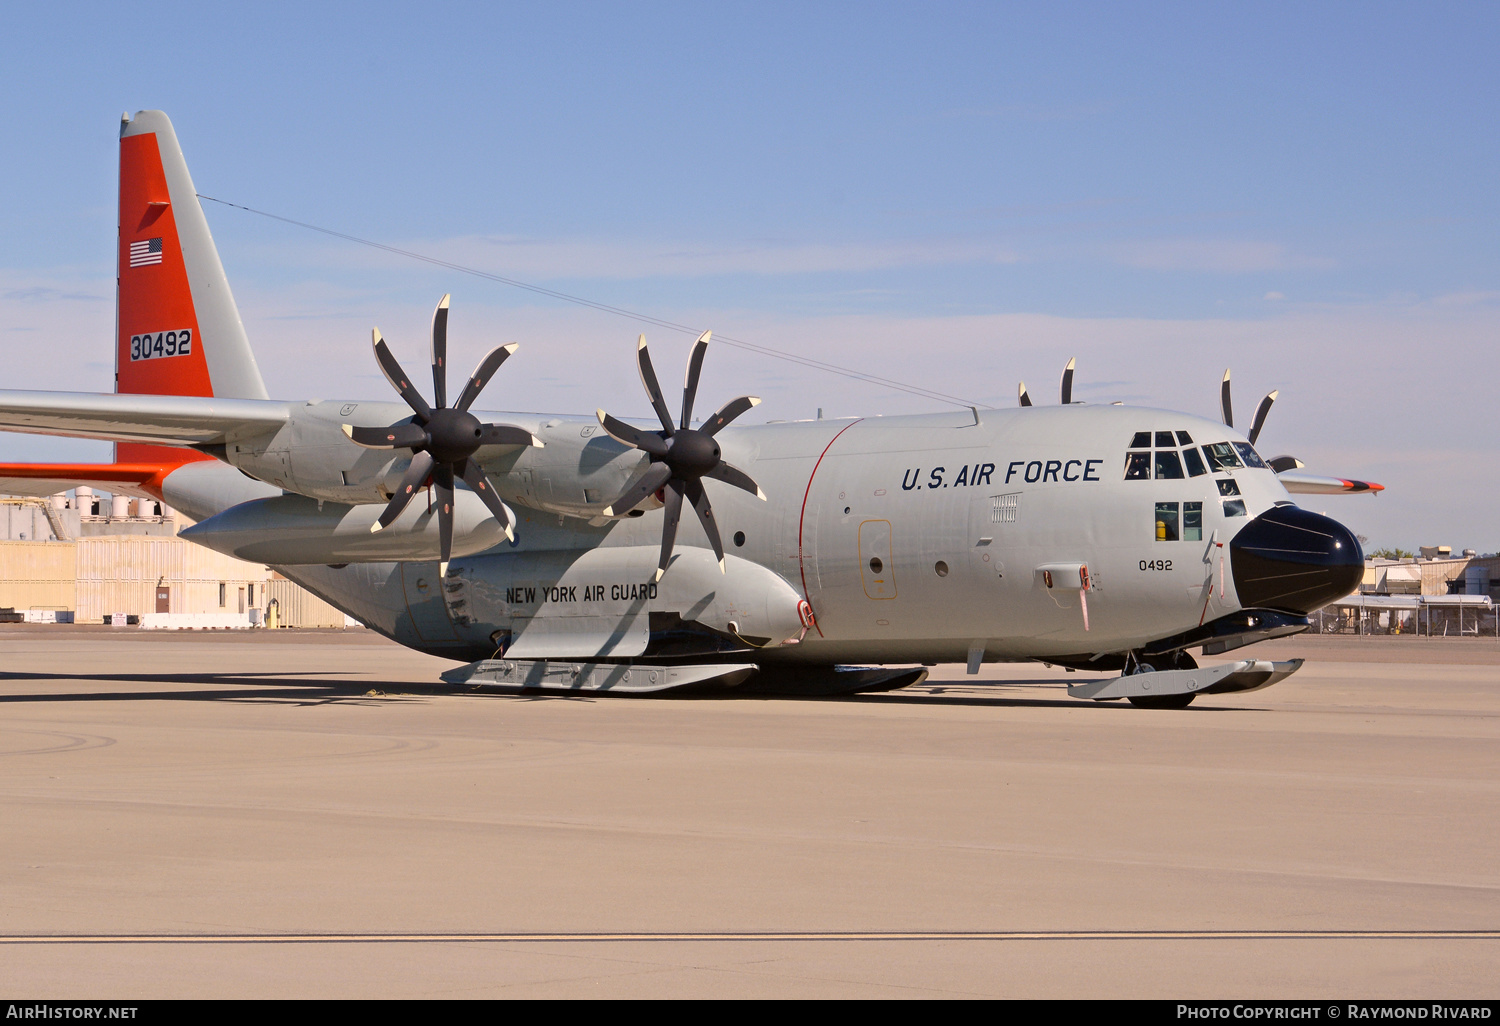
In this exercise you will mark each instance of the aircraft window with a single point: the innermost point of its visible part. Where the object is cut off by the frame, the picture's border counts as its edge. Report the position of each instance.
(1164, 440)
(1250, 456)
(1234, 507)
(1183, 438)
(1195, 467)
(1168, 466)
(1137, 466)
(1192, 521)
(1221, 454)
(876, 564)
(940, 568)
(1141, 440)
(1228, 486)
(1166, 521)
(739, 538)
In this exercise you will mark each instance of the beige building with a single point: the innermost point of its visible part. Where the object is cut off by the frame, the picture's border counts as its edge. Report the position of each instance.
(135, 564)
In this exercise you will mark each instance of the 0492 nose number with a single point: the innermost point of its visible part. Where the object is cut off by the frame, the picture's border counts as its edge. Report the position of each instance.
(151, 346)
(1156, 564)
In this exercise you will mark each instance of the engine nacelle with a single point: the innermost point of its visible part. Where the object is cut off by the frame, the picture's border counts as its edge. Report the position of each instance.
(292, 529)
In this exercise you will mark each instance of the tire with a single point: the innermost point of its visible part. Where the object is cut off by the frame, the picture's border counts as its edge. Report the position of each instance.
(1163, 701)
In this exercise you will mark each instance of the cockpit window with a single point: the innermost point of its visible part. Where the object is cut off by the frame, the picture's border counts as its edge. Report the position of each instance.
(1183, 438)
(1250, 456)
(1195, 467)
(1228, 486)
(1234, 508)
(1164, 440)
(1221, 456)
(1137, 466)
(1141, 440)
(1167, 465)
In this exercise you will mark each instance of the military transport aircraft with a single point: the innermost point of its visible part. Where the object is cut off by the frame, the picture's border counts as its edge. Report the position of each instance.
(821, 556)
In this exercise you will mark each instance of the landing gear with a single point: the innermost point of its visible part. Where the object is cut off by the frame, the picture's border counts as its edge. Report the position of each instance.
(1179, 660)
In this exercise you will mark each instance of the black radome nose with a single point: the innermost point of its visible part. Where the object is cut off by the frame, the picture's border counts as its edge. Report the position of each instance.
(1295, 561)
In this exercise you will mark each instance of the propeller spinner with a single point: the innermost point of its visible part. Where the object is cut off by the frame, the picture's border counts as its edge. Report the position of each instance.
(681, 456)
(442, 438)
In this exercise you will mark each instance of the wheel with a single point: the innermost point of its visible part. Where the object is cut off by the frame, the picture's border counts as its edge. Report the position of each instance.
(1163, 701)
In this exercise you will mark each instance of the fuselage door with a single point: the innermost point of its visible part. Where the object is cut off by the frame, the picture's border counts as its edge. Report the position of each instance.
(876, 568)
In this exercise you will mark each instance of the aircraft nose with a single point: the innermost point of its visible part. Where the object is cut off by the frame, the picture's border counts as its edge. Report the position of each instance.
(1293, 560)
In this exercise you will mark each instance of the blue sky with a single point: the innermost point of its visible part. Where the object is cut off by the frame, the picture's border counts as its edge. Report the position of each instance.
(959, 196)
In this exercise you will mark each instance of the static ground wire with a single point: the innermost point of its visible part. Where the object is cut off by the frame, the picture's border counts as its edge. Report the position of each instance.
(752, 347)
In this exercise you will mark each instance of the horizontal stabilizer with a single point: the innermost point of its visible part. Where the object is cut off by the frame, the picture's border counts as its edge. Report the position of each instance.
(139, 479)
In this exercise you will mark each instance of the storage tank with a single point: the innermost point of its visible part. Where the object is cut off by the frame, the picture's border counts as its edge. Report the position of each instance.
(83, 500)
(119, 507)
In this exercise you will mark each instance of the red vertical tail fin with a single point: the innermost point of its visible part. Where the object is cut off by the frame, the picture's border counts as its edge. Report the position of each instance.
(177, 329)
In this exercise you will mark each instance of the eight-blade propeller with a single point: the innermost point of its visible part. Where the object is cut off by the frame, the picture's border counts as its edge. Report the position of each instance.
(442, 438)
(681, 456)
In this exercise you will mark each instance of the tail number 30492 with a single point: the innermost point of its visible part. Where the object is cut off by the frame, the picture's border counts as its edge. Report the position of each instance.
(149, 346)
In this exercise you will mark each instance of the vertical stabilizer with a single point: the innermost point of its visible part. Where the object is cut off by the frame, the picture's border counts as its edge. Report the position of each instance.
(177, 329)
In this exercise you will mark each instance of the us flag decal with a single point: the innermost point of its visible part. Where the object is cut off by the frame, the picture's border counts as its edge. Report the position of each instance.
(147, 251)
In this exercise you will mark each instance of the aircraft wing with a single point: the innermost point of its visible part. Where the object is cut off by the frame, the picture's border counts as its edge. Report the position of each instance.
(154, 419)
(1297, 482)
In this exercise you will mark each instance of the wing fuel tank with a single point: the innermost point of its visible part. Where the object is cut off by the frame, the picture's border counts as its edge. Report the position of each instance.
(293, 529)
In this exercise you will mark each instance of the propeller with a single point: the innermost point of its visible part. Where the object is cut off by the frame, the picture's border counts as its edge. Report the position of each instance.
(1023, 395)
(1260, 411)
(681, 456)
(442, 438)
(1066, 391)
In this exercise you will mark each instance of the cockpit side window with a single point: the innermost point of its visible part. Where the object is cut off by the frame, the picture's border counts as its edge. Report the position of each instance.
(1221, 456)
(1167, 465)
(1250, 456)
(1195, 467)
(1141, 440)
(1137, 466)
(1183, 438)
(1164, 440)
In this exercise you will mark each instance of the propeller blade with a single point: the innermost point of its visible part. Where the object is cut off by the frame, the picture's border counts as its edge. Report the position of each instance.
(398, 379)
(698, 496)
(506, 434)
(653, 388)
(397, 436)
(1224, 406)
(1024, 395)
(442, 485)
(482, 375)
(1282, 464)
(414, 478)
(1067, 381)
(440, 353)
(647, 441)
(673, 514)
(474, 476)
(690, 382)
(656, 475)
(728, 412)
(1260, 415)
(737, 477)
